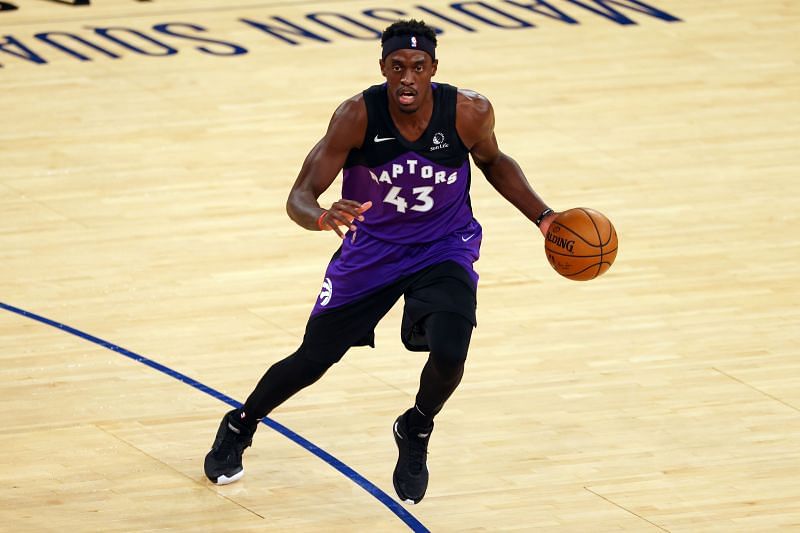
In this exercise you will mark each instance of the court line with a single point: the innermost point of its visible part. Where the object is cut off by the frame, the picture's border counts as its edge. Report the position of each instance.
(768, 395)
(169, 466)
(615, 504)
(355, 477)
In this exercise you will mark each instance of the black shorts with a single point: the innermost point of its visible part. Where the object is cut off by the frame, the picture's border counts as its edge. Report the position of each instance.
(443, 287)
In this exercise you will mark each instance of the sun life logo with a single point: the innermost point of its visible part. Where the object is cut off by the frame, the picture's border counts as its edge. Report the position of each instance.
(326, 292)
(413, 42)
(438, 142)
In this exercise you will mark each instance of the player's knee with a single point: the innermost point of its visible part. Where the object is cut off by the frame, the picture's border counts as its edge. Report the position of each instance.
(448, 338)
(297, 369)
(448, 362)
(320, 359)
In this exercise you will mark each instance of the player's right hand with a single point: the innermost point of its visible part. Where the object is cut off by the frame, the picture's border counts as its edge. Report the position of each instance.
(342, 213)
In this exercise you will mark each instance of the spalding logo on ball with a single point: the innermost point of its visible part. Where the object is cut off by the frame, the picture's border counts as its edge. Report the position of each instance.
(581, 244)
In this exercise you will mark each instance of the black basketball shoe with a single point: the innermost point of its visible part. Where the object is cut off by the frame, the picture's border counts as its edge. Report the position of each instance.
(411, 473)
(223, 463)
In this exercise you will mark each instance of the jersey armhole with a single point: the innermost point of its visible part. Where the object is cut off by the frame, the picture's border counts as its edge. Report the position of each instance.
(356, 155)
(371, 96)
(453, 111)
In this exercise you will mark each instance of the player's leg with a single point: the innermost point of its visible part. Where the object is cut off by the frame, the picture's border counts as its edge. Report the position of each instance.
(328, 337)
(448, 336)
(439, 317)
(223, 464)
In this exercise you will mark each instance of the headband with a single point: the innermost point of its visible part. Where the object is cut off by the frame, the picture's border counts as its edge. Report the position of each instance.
(412, 42)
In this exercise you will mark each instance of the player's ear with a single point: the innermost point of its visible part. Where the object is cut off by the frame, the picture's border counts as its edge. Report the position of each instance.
(433, 68)
(382, 63)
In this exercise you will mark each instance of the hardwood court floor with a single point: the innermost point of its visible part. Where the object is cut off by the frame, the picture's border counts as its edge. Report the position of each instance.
(142, 202)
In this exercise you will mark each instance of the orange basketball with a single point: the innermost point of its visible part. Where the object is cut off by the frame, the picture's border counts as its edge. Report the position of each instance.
(581, 244)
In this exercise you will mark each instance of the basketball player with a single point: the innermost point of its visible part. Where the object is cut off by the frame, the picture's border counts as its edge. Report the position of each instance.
(408, 231)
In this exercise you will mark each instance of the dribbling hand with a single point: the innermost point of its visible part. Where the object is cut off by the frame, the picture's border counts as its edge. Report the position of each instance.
(544, 225)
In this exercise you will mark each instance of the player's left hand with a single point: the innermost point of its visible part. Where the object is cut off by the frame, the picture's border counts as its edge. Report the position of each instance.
(544, 225)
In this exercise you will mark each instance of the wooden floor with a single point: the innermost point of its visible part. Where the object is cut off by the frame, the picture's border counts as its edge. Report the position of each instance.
(142, 203)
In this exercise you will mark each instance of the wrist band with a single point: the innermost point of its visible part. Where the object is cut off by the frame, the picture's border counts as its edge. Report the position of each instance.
(319, 221)
(539, 219)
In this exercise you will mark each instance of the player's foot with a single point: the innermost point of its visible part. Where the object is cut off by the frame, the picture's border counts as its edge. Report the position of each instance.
(411, 473)
(223, 463)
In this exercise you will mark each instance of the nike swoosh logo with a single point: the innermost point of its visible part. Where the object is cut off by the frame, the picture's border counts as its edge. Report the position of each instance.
(382, 139)
(399, 436)
(468, 237)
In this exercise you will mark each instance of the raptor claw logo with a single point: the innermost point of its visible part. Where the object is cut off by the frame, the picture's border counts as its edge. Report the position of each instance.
(326, 292)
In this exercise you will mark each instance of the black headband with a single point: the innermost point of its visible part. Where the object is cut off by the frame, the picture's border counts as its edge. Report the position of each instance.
(410, 42)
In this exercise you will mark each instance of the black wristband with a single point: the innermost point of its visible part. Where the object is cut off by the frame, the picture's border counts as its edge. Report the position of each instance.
(539, 219)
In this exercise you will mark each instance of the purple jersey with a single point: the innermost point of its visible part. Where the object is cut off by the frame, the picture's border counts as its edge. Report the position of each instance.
(421, 212)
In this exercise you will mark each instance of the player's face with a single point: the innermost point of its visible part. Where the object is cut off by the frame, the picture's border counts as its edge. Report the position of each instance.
(408, 75)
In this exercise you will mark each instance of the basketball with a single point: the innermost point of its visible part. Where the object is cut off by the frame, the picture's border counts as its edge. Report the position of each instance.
(581, 244)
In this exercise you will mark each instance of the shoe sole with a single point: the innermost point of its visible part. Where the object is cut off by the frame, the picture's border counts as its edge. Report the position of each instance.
(405, 499)
(225, 480)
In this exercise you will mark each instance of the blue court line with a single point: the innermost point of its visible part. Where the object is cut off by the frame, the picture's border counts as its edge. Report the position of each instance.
(351, 474)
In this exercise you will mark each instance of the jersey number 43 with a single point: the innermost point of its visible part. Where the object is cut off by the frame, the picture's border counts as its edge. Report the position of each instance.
(422, 199)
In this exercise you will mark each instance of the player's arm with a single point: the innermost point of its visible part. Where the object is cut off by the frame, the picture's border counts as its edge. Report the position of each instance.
(475, 125)
(321, 166)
